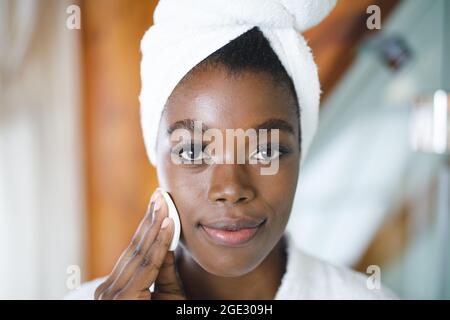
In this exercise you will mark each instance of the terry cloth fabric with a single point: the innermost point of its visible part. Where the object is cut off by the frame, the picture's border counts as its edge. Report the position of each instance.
(186, 32)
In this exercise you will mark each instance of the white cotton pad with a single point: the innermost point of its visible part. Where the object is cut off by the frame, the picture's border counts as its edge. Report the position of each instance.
(173, 213)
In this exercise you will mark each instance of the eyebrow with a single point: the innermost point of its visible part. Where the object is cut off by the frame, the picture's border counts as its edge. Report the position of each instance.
(276, 124)
(189, 124)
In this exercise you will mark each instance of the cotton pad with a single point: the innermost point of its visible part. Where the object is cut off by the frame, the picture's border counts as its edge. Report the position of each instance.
(173, 213)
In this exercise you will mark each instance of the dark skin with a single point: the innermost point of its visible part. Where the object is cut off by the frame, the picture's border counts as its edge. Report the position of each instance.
(201, 269)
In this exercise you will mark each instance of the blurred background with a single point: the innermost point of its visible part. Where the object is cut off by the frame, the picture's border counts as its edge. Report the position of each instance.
(75, 180)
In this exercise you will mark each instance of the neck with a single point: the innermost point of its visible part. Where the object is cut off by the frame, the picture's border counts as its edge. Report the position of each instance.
(261, 283)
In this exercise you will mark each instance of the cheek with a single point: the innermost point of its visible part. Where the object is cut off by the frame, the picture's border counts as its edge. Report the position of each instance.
(188, 188)
(278, 190)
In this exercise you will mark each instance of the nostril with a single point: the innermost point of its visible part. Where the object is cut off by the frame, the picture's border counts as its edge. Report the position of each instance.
(242, 199)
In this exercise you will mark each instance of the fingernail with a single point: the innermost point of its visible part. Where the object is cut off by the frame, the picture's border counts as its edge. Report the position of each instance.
(154, 196)
(158, 202)
(165, 223)
(154, 214)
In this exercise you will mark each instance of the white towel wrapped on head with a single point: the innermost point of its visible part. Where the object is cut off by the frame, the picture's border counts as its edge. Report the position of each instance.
(185, 32)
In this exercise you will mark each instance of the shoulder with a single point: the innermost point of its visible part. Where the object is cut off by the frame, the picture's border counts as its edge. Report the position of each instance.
(308, 277)
(85, 291)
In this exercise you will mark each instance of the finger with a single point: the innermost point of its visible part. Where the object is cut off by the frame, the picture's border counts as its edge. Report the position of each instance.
(137, 237)
(144, 225)
(121, 262)
(135, 254)
(168, 280)
(132, 295)
(138, 256)
(149, 268)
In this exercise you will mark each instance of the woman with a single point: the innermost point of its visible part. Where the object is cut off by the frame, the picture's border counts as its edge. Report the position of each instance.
(233, 243)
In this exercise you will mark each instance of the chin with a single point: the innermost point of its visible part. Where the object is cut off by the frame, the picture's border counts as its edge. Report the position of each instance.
(229, 263)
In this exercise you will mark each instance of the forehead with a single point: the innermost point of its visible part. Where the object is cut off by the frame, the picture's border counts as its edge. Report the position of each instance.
(224, 100)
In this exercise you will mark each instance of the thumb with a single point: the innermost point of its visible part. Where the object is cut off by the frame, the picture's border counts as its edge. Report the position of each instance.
(168, 281)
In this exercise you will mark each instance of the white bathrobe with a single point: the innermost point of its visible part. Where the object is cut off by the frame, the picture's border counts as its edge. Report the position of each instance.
(306, 277)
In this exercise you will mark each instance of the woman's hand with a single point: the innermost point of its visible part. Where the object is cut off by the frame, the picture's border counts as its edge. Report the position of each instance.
(146, 261)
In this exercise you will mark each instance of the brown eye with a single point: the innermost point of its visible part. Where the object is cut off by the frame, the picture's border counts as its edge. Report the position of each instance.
(266, 153)
(189, 153)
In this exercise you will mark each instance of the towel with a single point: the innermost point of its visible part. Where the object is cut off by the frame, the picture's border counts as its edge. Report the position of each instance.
(186, 32)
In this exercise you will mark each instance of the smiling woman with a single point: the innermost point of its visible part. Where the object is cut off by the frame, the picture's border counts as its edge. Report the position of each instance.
(256, 74)
(241, 93)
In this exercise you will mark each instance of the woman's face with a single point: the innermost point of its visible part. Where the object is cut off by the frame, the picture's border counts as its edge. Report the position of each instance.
(232, 216)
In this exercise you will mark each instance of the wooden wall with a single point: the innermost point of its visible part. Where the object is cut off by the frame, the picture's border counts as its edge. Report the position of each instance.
(119, 178)
(335, 41)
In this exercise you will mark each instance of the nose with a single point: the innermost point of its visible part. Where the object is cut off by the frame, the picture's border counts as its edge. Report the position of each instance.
(230, 184)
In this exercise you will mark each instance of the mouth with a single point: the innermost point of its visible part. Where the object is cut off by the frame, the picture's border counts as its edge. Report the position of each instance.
(232, 232)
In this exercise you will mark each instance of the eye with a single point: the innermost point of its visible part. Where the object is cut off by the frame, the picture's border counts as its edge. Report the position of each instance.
(190, 153)
(266, 153)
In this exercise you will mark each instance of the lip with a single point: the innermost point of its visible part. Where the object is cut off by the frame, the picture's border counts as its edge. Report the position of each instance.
(232, 232)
